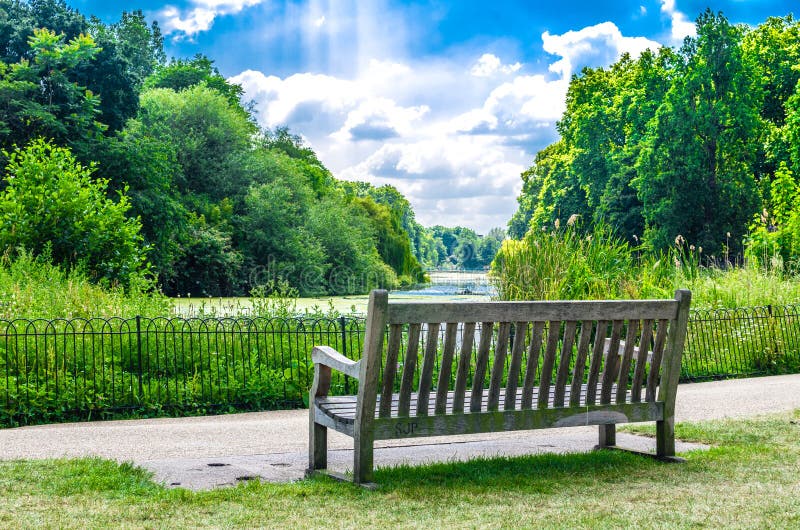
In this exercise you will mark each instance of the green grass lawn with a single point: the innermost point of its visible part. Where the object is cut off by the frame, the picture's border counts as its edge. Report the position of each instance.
(749, 479)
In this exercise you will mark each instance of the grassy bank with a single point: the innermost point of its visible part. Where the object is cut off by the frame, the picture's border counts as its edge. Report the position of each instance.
(568, 264)
(747, 480)
(33, 288)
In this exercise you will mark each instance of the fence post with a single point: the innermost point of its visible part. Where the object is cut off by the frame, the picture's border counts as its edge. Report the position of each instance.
(774, 357)
(139, 352)
(343, 327)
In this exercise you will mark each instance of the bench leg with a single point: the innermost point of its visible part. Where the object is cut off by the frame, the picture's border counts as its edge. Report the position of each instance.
(665, 442)
(608, 435)
(362, 460)
(317, 445)
(665, 437)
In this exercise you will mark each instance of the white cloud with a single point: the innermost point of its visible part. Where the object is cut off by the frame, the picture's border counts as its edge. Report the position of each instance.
(489, 64)
(200, 17)
(597, 45)
(450, 180)
(380, 119)
(452, 134)
(681, 25)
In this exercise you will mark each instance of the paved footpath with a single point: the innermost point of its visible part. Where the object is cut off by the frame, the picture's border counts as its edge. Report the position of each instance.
(212, 451)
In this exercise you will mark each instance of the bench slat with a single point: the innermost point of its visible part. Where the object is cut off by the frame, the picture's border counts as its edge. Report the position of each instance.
(480, 365)
(641, 360)
(421, 312)
(467, 339)
(390, 368)
(553, 336)
(611, 362)
(428, 363)
(511, 420)
(520, 330)
(409, 365)
(499, 364)
(597, 360)
(655, 363)
(563, 364)
(534, 350)
(580, 361)
(446, 368)
(625, 363)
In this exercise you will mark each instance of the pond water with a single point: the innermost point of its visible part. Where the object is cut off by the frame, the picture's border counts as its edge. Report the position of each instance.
(444, 286)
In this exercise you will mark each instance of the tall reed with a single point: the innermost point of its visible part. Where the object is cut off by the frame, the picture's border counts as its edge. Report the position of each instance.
(567, 264)
(563, 264)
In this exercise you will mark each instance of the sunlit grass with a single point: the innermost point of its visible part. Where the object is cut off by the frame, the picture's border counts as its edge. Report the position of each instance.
(748, 479)
(33, 288)
(567, 264)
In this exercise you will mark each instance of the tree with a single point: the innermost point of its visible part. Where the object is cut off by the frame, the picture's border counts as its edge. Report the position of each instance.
(696, 170)
(489, 246)
(292, 145)
(200, 71)
(41, 100)
(275, 237)
(549, 192)
(395, 228)
(110, 74)
(347, 233)
(143, 165)
(52, 206)
(773, 51)
(208, 135)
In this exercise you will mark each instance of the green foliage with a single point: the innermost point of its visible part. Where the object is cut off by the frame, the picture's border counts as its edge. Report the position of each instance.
(685, 142)
(199, 71)
(563, 264)
(697, 165)
(126, 51)
(774, 238)
(42, 100)
(51, 206)
(35, 288)
(572, 264)
(462, 248)
(358, 262)
(224, 207)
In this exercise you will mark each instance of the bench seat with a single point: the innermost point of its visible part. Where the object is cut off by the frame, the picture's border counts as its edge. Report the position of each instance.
(343, 408)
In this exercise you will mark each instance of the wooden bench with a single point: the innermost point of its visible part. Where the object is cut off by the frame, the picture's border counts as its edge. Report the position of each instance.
(502, 366)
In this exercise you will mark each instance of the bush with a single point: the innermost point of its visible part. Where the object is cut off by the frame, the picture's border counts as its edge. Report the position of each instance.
(52, 206)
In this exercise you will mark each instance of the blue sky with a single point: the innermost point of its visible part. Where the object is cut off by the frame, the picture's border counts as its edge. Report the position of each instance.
(447, 100)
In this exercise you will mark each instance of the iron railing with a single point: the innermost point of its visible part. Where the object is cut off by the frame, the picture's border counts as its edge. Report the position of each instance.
(748, 341)
(88, 367)
(71, 369)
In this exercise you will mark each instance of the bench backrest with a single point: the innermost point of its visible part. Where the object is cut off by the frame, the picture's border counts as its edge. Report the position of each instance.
(476, 353)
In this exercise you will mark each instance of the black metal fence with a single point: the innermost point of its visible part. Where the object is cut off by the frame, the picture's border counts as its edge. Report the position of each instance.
(72, 369)
(749, 341)
(53, 370)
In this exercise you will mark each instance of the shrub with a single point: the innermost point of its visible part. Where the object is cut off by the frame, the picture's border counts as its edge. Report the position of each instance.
(51, 205)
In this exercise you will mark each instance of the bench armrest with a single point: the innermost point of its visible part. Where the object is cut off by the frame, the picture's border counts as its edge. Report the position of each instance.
(327, 356)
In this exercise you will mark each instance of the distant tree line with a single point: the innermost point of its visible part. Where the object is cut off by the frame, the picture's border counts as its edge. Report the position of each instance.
(701, 142)
(437, 247)
(126, 164)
